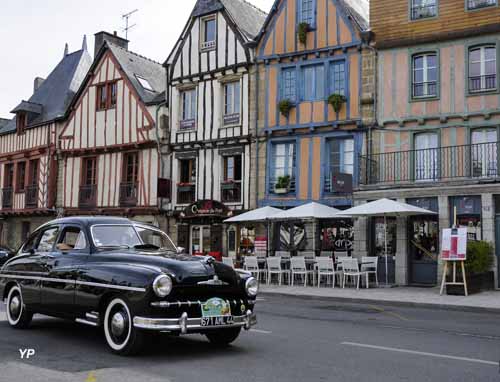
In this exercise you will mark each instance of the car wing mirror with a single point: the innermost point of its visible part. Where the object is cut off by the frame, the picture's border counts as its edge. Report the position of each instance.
(180, 250)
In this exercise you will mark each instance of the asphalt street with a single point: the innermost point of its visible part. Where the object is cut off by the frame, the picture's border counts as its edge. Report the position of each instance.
(295, 340)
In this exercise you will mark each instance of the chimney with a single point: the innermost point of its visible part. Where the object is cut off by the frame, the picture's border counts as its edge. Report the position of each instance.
(101, 37)
(37, 83)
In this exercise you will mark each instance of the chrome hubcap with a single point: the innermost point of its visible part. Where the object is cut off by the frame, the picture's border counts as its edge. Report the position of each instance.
(118, 324)
(15, 306)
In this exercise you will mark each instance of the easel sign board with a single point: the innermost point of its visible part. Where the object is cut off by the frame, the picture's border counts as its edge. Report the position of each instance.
(454, 244)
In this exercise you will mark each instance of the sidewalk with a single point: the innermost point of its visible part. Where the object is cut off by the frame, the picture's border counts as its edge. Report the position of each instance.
(399, 296)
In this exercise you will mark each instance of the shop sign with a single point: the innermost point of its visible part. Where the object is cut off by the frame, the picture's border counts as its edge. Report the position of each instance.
(206, 208)
(342, 183)
(454, 244)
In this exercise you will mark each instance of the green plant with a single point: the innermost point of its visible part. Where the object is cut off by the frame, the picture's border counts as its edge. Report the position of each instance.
(336, 101)
(303, 28)
(479, 257)
(285, 105)
(283, 181)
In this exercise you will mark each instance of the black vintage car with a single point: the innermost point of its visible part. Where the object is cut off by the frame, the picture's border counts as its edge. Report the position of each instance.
(5, 254)
(128, 278)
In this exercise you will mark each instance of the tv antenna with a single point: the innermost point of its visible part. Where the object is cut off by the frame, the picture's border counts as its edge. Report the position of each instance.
(127, 16)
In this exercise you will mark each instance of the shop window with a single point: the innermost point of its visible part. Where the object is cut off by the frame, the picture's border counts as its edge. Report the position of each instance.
(338, 77)
(232, 103)
(482, 68)
(289, 84)
(468, 212)
(424, 75)
(426, 157)
(188, 112)
(313, 83)
(337, 236)
(21, 177)
(379, 236)
(208, 33)
(422, 9)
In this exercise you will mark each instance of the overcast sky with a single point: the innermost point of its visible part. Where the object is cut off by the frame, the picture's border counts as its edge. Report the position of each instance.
(33, 34)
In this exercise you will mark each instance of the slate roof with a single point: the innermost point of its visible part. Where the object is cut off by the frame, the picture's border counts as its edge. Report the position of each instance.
(247, 17)
(57, 91)
(3, 122)
(135, 65)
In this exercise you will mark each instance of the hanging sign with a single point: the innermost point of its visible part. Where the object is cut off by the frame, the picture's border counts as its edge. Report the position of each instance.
(206, 208)
(342, 183)
(454, 244)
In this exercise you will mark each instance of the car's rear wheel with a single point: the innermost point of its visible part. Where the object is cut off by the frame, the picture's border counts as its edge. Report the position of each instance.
(223, 337)
(18, 315)
(121, 336)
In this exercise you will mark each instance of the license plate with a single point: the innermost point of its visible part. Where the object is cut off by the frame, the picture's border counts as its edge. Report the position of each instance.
(217, 321)
(216, 307)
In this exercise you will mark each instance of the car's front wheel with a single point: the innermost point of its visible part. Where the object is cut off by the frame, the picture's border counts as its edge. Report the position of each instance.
(223, 337)
(17, 314)
(121, 336)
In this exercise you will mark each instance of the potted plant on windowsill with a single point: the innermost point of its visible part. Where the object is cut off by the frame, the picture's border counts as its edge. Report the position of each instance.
(184, 187)
(478, 271)
(336, 101)
(282, 186)
(302, 30)
(284, 106)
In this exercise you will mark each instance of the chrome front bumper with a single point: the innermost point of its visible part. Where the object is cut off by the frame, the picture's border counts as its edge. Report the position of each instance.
(184, 324)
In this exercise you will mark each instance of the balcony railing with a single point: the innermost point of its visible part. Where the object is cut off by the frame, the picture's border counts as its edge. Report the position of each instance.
(31, 197)
(186, 193)
(231, 191)
(7, 197)
(476, 4)
(475, 161)
(128, 194)
(88, 196)
(425, 89)
(483, 83)
(423, 11)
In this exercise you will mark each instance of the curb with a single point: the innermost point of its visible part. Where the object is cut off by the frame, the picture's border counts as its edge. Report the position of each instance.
(445, 307)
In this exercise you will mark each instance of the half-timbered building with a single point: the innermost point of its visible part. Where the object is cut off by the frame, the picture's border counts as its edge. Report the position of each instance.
(315, 93)
(109, 148)
(437, 141)
(28, 169)
(210, 77)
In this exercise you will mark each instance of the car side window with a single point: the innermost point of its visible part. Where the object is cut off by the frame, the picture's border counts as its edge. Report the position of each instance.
(47, 240)
(31, 242)
(72, 238)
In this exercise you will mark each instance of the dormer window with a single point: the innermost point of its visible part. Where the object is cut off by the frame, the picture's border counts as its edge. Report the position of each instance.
(208, 33)
(21, 122)
(106, 96)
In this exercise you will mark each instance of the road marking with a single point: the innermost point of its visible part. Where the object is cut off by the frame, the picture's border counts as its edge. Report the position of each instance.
(451, 332)
(474, 360)
(393, 314)
(260, 299)
(260, 331)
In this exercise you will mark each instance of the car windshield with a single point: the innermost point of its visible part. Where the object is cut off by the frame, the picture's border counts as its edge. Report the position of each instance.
(130, 236)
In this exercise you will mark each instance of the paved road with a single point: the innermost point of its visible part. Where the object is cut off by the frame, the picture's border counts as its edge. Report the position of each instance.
(296, 340)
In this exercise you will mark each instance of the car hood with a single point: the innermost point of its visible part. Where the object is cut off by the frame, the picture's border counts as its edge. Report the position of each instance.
(185, 269)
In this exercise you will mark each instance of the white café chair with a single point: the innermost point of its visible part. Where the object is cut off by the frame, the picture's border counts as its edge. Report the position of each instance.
(274, 267)
(326, 254)
(228, 261)
(370, 266)
(340, 261)
(299, 268)
(326, 268)
(283, 254)
(307, 254)
(350, 269)
(252, 265)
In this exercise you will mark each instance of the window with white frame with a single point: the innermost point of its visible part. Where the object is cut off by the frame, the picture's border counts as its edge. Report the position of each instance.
(340, 160)
(283, 162)
(484, 152)
(313, 82)
(289, 84)
(232, 103)
(337, 77)
(306, 12)
(208, 33)
(478, 4)
(421, 9)
(426, 156)
(482, 68)
(424, 74)
(188, 109)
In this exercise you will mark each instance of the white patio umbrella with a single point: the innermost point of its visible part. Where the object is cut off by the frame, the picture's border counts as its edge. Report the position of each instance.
(259, 215)
(385, 208)
(310, 211)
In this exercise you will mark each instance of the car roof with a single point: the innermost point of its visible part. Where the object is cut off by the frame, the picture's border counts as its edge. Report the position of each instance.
(91, 220)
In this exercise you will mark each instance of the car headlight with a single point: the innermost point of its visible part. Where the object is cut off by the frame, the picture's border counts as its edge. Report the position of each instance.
(252, 287)
(162, 285)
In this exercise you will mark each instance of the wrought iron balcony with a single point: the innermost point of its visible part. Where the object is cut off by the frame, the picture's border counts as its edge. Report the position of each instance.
(444, 164)
(231, 191)
(88, 196)
(128, 194)
(7, 197)
(425, 89)
(186, 193)
(31, 196)
(482, 83)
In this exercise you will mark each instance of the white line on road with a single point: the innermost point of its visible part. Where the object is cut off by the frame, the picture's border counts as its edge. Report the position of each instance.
(482, 361)
(260, 331)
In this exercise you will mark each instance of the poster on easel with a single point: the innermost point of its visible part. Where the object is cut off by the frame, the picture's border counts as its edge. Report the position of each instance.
(454, 244)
